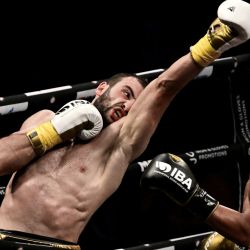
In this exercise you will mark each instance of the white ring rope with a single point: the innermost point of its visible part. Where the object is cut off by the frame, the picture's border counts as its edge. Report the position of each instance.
(22, 102)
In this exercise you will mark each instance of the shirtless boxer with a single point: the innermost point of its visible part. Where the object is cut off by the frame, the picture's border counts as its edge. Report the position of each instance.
(49, 201)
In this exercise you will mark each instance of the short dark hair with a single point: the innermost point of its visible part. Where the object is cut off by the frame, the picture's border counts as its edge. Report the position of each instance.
(118, 77)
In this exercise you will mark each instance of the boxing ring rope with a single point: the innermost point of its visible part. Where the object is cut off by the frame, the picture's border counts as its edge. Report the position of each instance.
(50, 97)
(197, 157)
(172, 244)
(239, 149)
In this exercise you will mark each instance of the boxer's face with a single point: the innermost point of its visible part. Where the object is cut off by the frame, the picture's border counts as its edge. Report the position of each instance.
(114, 102)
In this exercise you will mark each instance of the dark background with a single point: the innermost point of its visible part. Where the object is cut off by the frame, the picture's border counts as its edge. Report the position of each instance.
(45, 46)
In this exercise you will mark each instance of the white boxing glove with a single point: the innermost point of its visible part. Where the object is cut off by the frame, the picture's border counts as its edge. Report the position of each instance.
(235, 14)
(73, 119)
(85, 119)
(231, 28)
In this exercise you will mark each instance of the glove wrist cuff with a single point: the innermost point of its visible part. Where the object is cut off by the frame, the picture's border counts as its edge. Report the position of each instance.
(202, 204)
(203, 53)
(43, 138)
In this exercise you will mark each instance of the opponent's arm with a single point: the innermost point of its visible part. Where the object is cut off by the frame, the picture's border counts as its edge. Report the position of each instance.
(149, 107)
(76, 118)
(231, 224)
(169, 174)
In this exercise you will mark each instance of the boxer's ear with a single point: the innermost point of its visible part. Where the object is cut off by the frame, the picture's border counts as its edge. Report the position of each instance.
(102, 87)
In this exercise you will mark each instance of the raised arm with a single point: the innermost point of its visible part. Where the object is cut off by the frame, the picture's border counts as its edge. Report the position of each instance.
(230, 29)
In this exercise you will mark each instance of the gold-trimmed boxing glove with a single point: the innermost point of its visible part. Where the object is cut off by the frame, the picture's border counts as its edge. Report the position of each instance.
(215, 241)
(231, 28)
(76, 118)
(171, 175)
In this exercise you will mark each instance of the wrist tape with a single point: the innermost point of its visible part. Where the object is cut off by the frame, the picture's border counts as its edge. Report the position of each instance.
(213, 44)
(43, 138)
(203, 53)
(202, 204)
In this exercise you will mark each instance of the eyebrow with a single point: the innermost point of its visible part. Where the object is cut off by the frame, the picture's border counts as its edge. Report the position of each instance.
(131, 91)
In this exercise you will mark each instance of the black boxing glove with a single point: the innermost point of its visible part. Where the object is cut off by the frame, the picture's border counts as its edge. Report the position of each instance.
(170, 174)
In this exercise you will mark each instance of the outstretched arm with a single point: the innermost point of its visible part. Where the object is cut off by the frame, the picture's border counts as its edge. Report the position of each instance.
(230, 29)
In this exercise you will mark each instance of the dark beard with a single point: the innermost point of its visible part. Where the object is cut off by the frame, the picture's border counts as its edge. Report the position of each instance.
(102, 103)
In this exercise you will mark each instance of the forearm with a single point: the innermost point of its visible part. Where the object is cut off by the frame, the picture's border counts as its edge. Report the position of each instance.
(15, 152)
(232, 224)
(246, 198)
(160, 92)
(179, 74)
